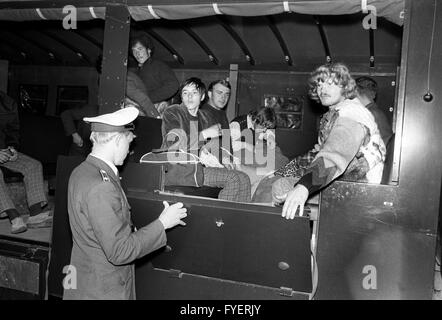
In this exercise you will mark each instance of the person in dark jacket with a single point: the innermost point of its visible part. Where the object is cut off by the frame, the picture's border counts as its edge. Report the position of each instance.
(367, 89)
(31, 169)
(136, 91)
(218, 93)
(159, 79)
(184, 127)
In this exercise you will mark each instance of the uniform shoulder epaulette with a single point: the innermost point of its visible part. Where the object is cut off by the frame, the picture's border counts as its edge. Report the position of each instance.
(104, 175)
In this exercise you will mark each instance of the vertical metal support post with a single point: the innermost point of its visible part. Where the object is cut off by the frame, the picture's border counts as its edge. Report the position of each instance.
(115, 47)
(233, 79)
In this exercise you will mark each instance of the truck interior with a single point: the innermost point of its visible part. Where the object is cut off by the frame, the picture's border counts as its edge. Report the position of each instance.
(267, 49)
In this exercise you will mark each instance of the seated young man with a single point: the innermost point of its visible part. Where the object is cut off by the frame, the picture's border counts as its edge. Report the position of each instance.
(185, 128)
(30, 168)
(218, 97)
(349, 143)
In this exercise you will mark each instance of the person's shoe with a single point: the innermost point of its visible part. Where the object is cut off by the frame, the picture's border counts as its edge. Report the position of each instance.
(18, 225)
(41, 220)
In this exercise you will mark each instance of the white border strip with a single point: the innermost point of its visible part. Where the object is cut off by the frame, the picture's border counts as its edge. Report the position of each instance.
(286, 6)
(91, 10)
(152, 12)
(40, 14)
(216, 9)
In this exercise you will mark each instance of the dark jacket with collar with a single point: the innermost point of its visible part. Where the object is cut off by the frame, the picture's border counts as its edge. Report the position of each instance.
(104, 243)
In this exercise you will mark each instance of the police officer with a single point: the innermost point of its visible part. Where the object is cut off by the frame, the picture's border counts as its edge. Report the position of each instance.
(104, 243)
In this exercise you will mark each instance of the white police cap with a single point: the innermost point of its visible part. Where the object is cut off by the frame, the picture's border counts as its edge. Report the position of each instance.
(113, 122)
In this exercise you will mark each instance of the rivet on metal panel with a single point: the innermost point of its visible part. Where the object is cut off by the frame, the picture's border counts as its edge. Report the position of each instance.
(219, 223)
(283, 265)
(286, 292)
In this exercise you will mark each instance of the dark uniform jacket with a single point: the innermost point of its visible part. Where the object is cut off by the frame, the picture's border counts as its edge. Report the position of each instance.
(104, 243)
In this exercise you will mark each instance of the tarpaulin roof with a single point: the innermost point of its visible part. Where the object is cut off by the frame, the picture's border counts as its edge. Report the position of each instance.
(23, 10)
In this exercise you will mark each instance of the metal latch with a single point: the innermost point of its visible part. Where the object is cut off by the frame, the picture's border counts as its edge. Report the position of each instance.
(286, 292)
(175, 273)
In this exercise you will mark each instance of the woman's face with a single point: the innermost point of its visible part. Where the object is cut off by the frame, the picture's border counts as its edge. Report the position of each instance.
(330, 93)
(140, 53)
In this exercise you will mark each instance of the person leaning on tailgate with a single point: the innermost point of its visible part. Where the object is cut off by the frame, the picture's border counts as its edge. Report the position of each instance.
(105, 243)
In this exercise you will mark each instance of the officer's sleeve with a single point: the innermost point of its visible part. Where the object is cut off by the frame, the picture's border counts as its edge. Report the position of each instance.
(113, 232)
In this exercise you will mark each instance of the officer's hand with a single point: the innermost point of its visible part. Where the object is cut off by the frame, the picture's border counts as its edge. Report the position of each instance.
(77, 139)
(4, 156)
(295, 198)
(172, 215)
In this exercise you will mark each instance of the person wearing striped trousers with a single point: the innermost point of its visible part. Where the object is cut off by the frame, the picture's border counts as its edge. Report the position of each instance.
(30, 168)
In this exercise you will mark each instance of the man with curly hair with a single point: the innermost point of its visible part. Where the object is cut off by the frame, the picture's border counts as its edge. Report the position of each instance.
(349, 143)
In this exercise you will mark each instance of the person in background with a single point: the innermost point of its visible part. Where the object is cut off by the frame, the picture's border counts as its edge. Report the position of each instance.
(136, 92)
(257, 122)
(218, 93)
(31, 169)
(77, 129)
(136, 95)
(105, 243)
(159, 79)
(367, 89)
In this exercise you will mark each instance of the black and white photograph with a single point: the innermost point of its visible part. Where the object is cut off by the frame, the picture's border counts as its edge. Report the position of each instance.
(217, 158)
